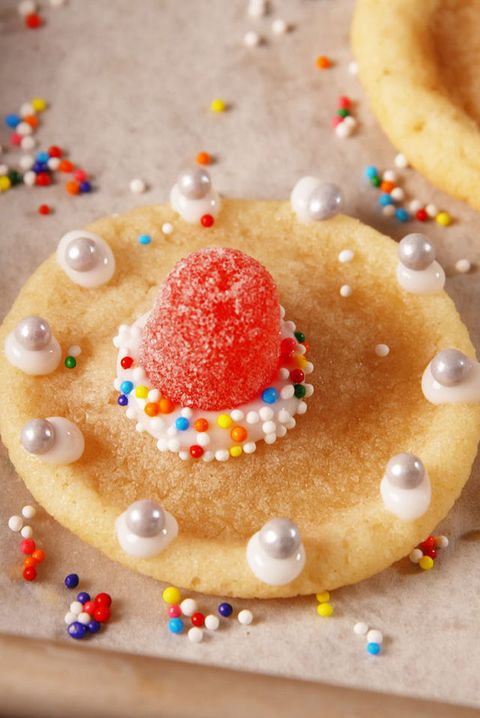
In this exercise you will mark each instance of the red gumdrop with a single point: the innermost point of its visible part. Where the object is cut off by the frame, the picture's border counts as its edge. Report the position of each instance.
(212, 340)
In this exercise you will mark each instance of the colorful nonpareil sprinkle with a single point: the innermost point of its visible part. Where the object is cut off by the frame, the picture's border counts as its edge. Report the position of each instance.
(86, 614)
(343, 122)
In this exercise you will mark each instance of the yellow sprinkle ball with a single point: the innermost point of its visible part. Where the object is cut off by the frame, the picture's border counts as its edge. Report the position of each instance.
(325, 610)
(39, 104)
(426, 563)
(141, 392)
(300, 361)
(224, 421)
(236, 451)
(218, 105)
(323, 597)
(5, 183)
(172, 596)
(443, 218)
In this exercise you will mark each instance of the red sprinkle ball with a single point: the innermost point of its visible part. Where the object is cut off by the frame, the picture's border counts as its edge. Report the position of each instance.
(33, 21)
(44, 209)
(34, 556)
(207, 220)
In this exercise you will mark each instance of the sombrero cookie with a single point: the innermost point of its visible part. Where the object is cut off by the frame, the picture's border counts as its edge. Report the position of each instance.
(271, 398)
(416, 64)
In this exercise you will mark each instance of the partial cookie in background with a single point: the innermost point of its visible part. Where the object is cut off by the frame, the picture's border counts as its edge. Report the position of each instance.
(324, 474)
(418, 64)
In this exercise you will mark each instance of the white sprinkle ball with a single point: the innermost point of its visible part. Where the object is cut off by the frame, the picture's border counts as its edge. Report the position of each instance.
(26, 532)
(441, 541)
(53, 163)
(237, 414)
(167, 228)
(414, 206)
(397, 194)
(266, 413)
(431, 210)
(415, 555)
(346, 255)
(3, 169)
(28, 143)
(245, 617)
(70, 618)
(188, 606)
(195, 634)
(212, 622)
(346, 290)
(74, 350)
(257, 8)
(463, 266)
(27, 109)
(374, 636)
(388, 210)
(344, 129)
(24, 129)
(382, 350)
(360, 628)
(279, 26)
(137, 186)
(27, 162)
(28, 512)
(353, 67)
(251, 39)
(15, 523)
(389, 176)
(27, 7)
(84, 618)
(400, 161)
(76, 607)
(29, 178)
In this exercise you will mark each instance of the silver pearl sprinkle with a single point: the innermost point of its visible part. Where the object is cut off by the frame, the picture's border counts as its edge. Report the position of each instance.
(405, 471)
(325, 201)
(280, 538)
(33, 333)
(415, 251)
(145, 518)
(37, 436)
(450, 367)
(82, 254)
(194, 183)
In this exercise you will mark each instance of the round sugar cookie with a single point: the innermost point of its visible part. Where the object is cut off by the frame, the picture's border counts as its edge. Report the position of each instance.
(417, 62)
(324, 474)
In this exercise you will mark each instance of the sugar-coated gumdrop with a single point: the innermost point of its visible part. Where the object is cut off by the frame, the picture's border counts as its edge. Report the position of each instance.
(212, 340)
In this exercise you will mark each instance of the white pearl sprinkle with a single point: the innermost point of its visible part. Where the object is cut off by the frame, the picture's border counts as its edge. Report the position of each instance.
(208, 456)
(195, 634)
(431, 210)
(245, 617)
(15, 523)
(249, 447)
(222, 455)
(237, 415)
(266, 413)
(414, 206)
(400, 161)
(70, 618)
(188, 606)
(463, 266)
(343, 129)
(353, 67)
(24, 129)
(302, 406)
(389, 176)
(27, 109)
(53, 163)
(287, 391)
(308, 368)
(360, 628)
(415, 555)
(173, 445)
(281, 431)
(268, 427)
(137, 186)
(397, 194)
(167, 228)
(203, 439)
(29, 178)
(388, 210)
(382, 350)
(3, 170)
(252, 417)
(26, 532)
(251, 39)
(280, 26)
(76, 607)
(441, 541)
(27, 7)
(374, 636)
(212, 622)
(74, 350)
(186, 412)
(284, 373)
(346, 290)
(284, 416)
(184, 455)
(27, 162)
(28, 143)
(270, 438)
(84, 618)
(346, 255)
(257, 8)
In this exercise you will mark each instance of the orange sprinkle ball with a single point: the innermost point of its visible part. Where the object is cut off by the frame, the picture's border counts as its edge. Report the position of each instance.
(66, 166)
(29, 561)
(323, 62)
(31, 120)
(201, 425)
(166, 406)
(203, 158)
(238, 433)
(39, 555)
(387, 186)
(72, 187)
(152, 409)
